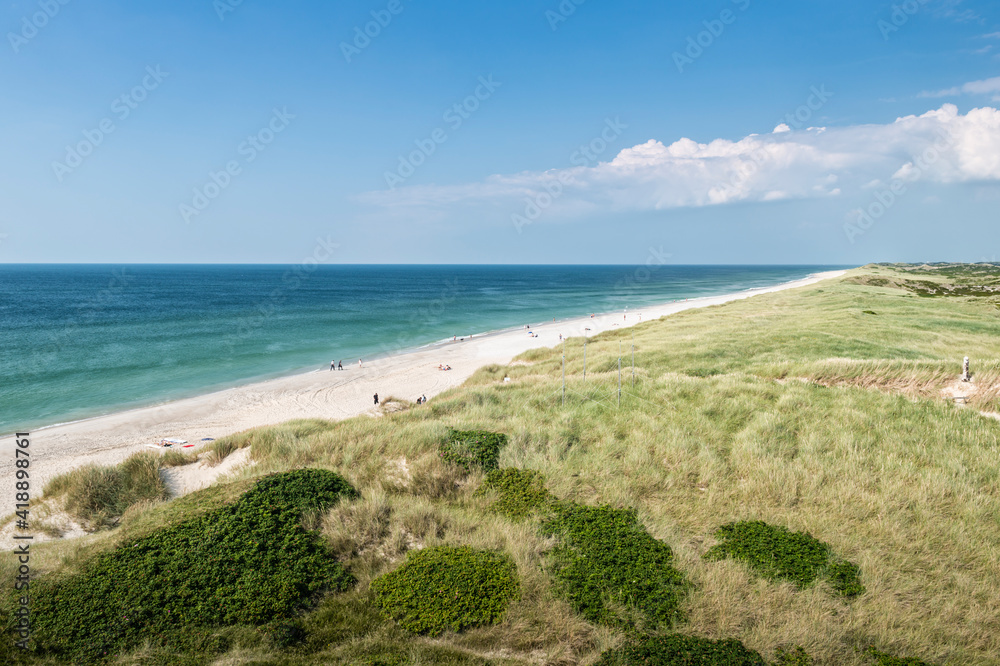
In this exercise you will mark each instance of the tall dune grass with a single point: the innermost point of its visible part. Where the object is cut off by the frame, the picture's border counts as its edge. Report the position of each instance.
(795, 408)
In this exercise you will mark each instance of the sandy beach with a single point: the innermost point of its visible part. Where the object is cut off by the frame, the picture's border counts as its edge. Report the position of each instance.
(322, 394)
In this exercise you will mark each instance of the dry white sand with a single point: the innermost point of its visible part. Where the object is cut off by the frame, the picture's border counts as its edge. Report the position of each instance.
(108, 440)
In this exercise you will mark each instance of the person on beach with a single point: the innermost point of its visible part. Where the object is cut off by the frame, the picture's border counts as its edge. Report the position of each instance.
(359, 362)
(333, 364)
(423, 399)
(340, 365)
(376, 399)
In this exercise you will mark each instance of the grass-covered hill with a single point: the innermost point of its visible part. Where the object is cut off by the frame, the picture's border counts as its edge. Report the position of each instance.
(783, 482)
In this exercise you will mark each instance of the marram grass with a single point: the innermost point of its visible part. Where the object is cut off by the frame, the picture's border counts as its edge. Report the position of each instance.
(797, 409)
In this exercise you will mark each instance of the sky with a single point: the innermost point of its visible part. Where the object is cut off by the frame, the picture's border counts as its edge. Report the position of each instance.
(528, 131)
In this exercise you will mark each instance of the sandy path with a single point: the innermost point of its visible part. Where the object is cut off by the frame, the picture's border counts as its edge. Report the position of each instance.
(321, 394)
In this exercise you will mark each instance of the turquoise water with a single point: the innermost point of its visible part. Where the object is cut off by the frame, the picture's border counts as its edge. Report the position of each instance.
(80, 341)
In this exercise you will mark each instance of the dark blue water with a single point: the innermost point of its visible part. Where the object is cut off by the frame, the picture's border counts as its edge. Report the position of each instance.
(79, 341)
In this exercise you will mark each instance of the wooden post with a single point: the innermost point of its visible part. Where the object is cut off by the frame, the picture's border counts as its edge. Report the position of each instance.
(564, 380)
(965, 371)
(633, 366)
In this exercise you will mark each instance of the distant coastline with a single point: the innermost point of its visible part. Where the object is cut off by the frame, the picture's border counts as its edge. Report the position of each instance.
(335, 395)
(179, 355)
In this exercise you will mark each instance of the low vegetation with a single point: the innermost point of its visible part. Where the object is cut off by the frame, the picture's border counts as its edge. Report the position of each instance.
(776, 552)
(678, 650)
(448, 589)
(611, 570)
(879, 658)
(249, 564)
(474, 449)
(518, 493)
(98, 496)
(795, 409)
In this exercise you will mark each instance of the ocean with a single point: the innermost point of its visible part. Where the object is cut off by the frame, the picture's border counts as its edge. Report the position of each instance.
(78, 341)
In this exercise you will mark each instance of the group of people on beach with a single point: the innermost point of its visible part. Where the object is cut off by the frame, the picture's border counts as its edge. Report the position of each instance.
(420, 401)
(442, 366)
(339, 365)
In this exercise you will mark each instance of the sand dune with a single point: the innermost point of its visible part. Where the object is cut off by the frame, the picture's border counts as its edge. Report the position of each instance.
(321, 394)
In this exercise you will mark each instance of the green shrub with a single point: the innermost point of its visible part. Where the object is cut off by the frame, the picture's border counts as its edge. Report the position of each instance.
(775, 552)
(883, 659)
(248, 563)
(606, 561)
(98, 496)
(845, 577)
(445, 588)
(301, 490)
(796, 657)
(677, 650)
(519, 491)
(474, 449)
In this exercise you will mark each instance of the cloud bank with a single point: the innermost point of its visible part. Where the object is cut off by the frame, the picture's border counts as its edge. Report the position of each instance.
(984, 87)
(785, 164)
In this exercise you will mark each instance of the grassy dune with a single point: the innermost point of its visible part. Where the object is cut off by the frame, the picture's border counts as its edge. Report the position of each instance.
(817, 409)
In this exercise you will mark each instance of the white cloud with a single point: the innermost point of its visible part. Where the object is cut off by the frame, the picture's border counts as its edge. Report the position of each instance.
(940, 146)
(984, 87)
(992, 35)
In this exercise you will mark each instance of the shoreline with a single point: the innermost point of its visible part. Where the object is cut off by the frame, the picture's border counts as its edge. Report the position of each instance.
(110, 438)
(194, 394)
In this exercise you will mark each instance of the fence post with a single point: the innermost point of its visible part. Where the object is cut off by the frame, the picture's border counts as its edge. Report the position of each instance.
(564, 379)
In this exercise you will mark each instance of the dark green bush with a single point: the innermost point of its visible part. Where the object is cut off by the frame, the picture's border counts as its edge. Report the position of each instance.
(301, 490)
(775, 552)
(883, 659)
(677, 650)
(444, 588)
(845, 577)
(519, 491)
(474, 449)
(248, 563)
(796, 657)
(607, 562)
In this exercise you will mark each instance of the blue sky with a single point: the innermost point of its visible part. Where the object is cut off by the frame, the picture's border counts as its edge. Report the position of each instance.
(259, 131)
